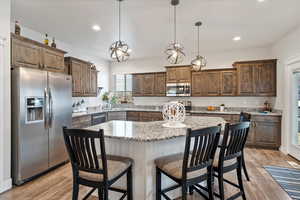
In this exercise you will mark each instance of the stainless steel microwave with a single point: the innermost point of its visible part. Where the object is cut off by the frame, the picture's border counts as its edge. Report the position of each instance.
(178, 89)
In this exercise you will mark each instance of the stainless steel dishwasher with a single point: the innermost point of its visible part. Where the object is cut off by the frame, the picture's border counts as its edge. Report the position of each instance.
(99, 118)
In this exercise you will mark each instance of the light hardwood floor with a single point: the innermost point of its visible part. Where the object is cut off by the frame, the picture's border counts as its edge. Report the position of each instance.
(58, 183)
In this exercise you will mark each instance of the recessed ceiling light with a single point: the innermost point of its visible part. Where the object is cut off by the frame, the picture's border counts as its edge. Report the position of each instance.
(96, 28)
(260, 0)
(236, 38)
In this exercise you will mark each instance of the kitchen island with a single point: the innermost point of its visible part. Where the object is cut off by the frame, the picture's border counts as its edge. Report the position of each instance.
(144, 142)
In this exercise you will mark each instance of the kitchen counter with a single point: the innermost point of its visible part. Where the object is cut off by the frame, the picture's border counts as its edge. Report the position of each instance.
(195, 111)
(153, 131)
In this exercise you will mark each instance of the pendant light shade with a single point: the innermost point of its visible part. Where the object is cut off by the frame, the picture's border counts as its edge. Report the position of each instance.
(175, 54)
(119, 50)
(200, 61)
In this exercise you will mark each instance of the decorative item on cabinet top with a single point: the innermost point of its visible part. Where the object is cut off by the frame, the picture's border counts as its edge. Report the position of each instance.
(84, 77)
(33, 54)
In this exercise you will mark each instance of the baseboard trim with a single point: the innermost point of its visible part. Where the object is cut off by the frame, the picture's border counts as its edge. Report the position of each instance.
(283, 150)
(6, 185)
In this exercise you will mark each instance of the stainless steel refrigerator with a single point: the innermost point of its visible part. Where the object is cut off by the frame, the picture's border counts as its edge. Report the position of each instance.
(41, 106)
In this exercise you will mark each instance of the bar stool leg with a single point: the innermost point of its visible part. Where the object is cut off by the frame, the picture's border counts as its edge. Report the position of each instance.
(129, 184)
(221, 185)
(244, 167)
(105, 193)
(100, 193)
(240, 179)
(191, 190)
(75, 191)
(158, 184)
(210, 184)
(184, 191)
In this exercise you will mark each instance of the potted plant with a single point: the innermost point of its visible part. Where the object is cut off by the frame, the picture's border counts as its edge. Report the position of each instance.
(222, 107)
(109, 99)
(105, 97)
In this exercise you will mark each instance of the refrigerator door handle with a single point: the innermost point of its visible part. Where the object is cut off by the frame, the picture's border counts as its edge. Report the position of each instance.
(46, 108)
(50, 109)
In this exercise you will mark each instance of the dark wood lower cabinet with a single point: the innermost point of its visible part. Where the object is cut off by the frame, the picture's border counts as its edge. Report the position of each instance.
(144, 116)
(82, 121)
(139, 116)
(265, 131)
(133, 116)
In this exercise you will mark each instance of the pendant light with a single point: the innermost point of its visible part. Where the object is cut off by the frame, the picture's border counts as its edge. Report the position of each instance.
(119, 50)
(175, 54)
(199, 62)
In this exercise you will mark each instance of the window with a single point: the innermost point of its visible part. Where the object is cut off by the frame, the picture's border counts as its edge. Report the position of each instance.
(123, 87)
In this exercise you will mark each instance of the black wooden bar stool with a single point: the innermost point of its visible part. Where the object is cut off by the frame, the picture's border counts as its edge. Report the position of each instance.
(245, 117)
(192, 167)
(229, 157)
(93, 170)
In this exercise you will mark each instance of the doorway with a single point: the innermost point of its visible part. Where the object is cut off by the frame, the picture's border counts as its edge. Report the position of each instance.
(294, 109)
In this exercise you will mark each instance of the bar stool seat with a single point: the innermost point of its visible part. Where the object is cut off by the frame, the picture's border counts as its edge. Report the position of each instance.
(116, 165)
(226, 162)
(172, 165)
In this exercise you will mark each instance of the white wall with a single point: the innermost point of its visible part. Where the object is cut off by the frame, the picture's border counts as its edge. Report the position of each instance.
(215, 60)
(285, 49)
(5, 132)
(101, 64)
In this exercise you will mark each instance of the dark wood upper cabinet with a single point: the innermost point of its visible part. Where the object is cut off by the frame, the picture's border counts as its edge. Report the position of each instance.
(137, 85)
(172, 75)
(53, 60)
(256, 78)
(245, 80)
(179, 74)
(160, 84)
(94, 82)
(228, 83)
(265, 79)
(84, 78)
(198, 84)
(216, 82)
(25, 54)
(76, 69)
(149, 84)
(213, 83)
(29, 53)
(248, 78)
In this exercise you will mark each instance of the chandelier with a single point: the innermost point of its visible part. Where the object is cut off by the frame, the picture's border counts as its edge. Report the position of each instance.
(174, 51)
(119, 50)
(199, 62)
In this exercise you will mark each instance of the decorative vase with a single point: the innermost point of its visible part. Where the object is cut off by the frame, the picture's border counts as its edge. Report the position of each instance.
(222, 108)
(174, 115)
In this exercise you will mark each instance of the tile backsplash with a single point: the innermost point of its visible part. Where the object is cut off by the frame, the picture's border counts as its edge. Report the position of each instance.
(241, 102)
(209, 101)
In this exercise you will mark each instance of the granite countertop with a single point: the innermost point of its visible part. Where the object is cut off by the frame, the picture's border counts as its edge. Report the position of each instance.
(236, 113)
(153, 131)
(94, 111)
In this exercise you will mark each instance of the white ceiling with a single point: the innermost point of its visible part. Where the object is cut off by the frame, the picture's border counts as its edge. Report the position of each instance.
(147, 26)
